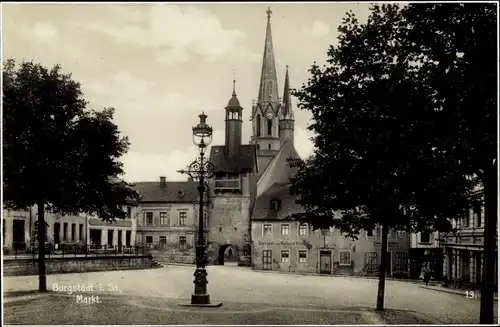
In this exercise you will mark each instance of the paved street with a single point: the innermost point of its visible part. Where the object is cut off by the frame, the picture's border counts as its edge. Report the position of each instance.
(249, 297)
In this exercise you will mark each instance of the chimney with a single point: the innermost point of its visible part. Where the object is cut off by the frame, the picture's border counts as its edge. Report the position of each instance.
(163, 182)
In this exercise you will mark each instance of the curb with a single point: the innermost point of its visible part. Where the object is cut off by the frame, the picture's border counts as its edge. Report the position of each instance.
(343, 276)
(456, 292)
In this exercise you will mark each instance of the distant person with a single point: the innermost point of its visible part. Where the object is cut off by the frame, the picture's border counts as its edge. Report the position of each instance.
(427, 275)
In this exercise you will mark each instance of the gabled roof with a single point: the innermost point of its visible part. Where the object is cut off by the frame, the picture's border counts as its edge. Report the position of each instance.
(244, 160)
(263, 210)
(278, 171)
(173, 192)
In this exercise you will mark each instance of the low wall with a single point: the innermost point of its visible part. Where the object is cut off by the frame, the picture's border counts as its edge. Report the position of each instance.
(173, 257)
(26, 267)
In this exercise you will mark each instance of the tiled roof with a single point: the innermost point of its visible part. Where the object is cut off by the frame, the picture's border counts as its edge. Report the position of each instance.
(278, 171)
(244, 160)
(263, 210)
(173, 192)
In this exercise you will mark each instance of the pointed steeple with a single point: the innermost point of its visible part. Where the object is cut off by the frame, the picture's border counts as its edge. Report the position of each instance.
(286, 107)
(234, 102)
(268, 91)
(287, 123)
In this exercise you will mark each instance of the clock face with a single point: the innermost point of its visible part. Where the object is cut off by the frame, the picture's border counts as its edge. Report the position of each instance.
(269, 115)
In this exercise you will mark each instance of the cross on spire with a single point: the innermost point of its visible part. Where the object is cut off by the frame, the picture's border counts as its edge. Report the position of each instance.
(269, 12)
(234, 82)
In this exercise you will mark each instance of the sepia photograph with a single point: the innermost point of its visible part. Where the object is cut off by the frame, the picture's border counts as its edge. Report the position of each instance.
(232, 163)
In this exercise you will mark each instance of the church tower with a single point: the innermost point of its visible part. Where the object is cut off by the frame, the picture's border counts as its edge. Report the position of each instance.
(287, 120)
(233, 124)
(265, 111)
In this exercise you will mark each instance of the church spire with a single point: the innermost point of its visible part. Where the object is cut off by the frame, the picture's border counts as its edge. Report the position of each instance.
(286, 109)
(268, 91)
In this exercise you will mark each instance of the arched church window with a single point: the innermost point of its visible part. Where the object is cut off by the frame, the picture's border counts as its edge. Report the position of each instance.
(258, 125)
(269, 127)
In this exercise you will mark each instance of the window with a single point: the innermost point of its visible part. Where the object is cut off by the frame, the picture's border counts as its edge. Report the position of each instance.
(149, 218)
(164, 218)
(401, 261)
(65, 231)
(149, 239)
(477, 214)
(258, 125)
(129, 212)
(163, 242)
(182, 243)
(120, 233)
(227, 182)
(302, 256)
(269, 127)
(400, 233)
(80, 232)
(110, 237)
(425, 237)
(303, 229)
(285, 256)
(285, 230)
(182, 218)
(73, 232)
(275, 204)
(258, 146)
(370, 261)
(128, 237)
(369, 232)
(345, 257)
(267, 229)
(467, 218)
(269, 146)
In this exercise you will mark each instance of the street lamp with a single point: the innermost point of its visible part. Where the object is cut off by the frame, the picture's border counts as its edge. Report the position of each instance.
(201, 169)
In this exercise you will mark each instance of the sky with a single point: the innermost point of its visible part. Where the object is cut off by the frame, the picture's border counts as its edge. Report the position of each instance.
(160, 65)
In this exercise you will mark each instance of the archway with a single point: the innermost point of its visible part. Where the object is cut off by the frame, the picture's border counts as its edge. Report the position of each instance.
(227, 254)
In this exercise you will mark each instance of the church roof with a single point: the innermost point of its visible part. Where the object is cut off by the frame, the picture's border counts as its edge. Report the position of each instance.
(278, 170)
(173, 192)
(263, 210)
(244, 160)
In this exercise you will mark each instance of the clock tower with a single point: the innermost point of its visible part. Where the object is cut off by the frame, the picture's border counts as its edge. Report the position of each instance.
(265, 111)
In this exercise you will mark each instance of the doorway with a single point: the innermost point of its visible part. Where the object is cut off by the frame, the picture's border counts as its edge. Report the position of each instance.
(18, 239)
(228, 254)
(325, 262)
(267, 260)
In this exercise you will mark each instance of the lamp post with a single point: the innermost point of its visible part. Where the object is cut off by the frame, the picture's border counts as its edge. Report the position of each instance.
(201, 169)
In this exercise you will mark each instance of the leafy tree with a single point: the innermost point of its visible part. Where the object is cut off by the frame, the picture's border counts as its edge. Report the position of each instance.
(456, 45)
(56, 154)
(374, 161)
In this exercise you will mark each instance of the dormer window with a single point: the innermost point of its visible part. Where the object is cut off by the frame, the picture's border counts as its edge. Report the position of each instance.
(275, 204)
(180, 194)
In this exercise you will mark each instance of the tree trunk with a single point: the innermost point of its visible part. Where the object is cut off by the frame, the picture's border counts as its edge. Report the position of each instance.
(42, 279)
(490, 247)
(382, 269)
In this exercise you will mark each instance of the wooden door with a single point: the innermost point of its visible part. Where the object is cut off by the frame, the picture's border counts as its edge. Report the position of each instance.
(267, 260)
(325, 262)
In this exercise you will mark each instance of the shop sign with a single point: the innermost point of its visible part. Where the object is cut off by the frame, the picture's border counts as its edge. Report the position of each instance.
(281, 243)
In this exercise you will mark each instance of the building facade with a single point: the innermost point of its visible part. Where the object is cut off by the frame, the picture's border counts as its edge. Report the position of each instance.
(279, 243)
(463, 249)
(425, 249)
(19, 230)
(167, 218)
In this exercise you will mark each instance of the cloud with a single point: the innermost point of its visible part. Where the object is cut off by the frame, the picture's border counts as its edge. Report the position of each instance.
(139, 166)
(303, 143)
(318, 29)
(40, 32)
(132, 93)
(176, 32)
